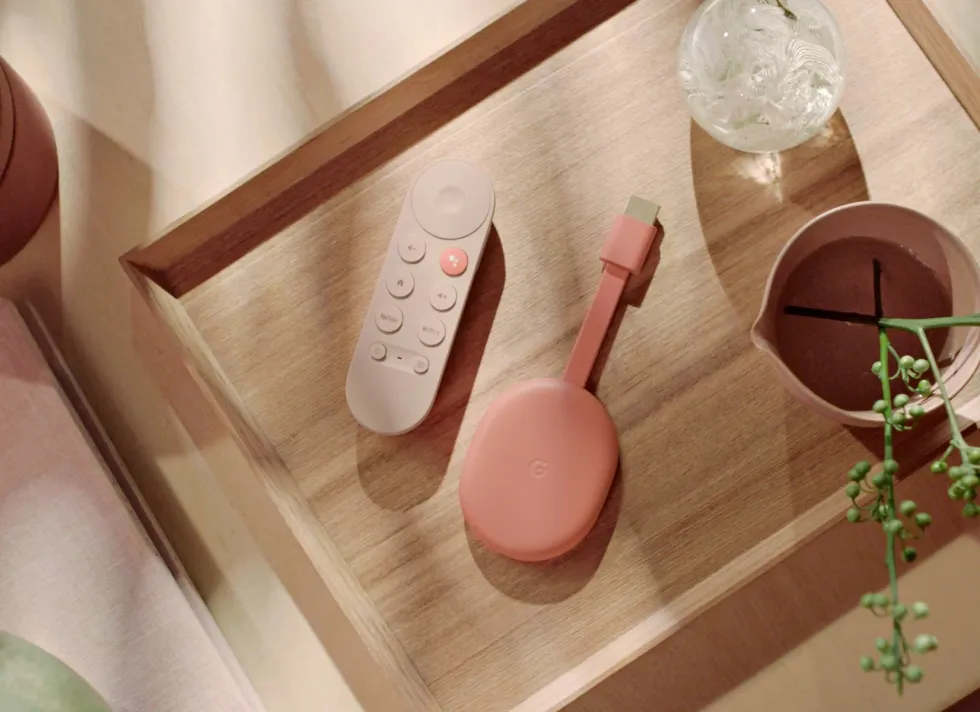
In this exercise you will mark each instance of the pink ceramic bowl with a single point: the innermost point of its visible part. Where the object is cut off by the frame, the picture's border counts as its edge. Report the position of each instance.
(954, 266)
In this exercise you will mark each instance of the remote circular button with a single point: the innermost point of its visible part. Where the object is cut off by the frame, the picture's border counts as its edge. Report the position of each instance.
(451, 199)
(432, 332)
(411, 248)
(389, 319)
(453, 261)
(442, 297)
(378, 352)
(400, 283)
(420, 364)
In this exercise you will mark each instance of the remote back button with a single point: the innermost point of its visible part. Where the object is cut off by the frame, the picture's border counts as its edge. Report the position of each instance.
(411, 249)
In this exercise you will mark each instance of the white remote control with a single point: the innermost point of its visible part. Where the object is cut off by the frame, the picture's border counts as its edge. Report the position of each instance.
(418, 300)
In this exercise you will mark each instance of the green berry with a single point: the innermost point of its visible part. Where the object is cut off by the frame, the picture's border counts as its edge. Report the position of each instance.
(957, 471)
(923, 519)
(880, 406)
(971, 510)
(867, 664)
(854, 476)
(879, 480)
(909, 554)
(899, 612)
(889, 663)
(898, 417)
(973, 456)
(920, 365)
(908, 508)
(901, 400)
(881, 644)
(852, 490)
(881, 601)
(890, 466)
(939, 467)
(893, 526)
(920, 610)
(955, 492)
(925, 643)
(914, 674)
(876, 367)
(868, 600)
(854, 515)
(917, 411)
(971, 481)
(924, 388)
(906, 362)
(863, 467)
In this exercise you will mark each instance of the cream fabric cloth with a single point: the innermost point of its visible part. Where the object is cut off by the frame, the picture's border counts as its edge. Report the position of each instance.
(77, 575)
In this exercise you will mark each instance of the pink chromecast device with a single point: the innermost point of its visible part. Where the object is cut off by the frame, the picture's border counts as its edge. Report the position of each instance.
(544, 456)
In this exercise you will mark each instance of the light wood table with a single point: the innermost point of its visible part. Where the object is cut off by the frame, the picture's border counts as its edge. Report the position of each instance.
(157, 109)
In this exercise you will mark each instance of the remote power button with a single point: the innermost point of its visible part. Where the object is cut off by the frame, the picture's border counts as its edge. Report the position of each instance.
(420, 365)
(378, 352)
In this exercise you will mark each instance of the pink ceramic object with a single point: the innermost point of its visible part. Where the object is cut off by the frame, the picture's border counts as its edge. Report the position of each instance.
(28, 163)
(953, 265)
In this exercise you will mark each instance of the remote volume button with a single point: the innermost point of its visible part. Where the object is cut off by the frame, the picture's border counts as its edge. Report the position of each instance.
(420, 364)
(378, 352)
(400, 283)
(442, 297)
(453, 261)
(389, 319)
(411, 248)
(432, 332)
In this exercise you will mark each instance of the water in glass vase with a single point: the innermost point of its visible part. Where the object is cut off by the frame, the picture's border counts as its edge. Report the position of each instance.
(762, 75)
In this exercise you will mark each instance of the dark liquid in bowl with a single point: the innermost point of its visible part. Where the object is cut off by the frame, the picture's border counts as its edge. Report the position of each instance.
(834, 358)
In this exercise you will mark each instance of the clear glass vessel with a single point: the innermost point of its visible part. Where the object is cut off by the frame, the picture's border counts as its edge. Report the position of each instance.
(762, 75)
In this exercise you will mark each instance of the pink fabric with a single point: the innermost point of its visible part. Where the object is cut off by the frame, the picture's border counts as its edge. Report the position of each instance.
(77, 576)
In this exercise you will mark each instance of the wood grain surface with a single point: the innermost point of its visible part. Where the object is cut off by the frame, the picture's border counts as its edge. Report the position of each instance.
(951, 55)
(722, 474)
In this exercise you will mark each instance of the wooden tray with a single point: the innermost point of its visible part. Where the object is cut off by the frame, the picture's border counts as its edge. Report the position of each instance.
(247, 313)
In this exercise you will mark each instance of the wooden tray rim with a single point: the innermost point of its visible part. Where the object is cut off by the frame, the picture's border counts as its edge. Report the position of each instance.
(309, 565)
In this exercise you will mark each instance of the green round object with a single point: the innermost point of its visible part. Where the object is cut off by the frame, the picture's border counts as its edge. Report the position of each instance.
(920, 610)
(880, 406)
(890, 466)
(906, 362)
(881, 600)
(867, 664)
(868, 600)
(908, 507)
(852, 490)
(920, 365)
(914, 674)
(881, 644)
(893, 526)
(923, 519)
(889, 662)
(909, 554)
(901, 400)
(31, 680)
(862, 466)
(924, 388)
(939, 466)
(853, 515)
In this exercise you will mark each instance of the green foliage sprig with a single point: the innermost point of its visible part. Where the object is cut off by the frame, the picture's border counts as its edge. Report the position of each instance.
(902, 522)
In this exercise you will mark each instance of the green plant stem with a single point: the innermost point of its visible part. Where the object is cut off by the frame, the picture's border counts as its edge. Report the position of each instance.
(940, 322)
(789, 13)
(889, 537)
